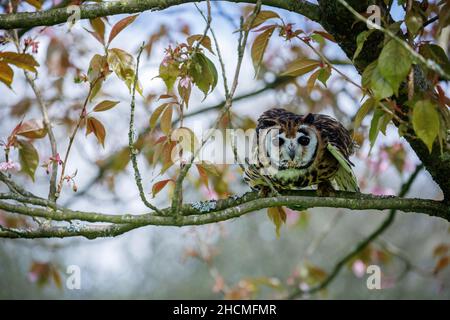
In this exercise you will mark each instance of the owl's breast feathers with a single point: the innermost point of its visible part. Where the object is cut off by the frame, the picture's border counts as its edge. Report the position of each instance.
(324, 166)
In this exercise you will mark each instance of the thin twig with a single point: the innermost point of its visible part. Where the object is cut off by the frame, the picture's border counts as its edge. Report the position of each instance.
(72, 138)
(48, 126)
(133, 153)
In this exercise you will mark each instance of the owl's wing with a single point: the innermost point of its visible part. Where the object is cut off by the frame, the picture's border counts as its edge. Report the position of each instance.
(344, 177)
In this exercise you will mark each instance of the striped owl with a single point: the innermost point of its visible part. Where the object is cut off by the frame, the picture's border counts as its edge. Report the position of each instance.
(301, 151)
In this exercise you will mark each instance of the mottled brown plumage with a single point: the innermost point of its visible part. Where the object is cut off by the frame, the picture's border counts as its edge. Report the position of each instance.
(314, 149)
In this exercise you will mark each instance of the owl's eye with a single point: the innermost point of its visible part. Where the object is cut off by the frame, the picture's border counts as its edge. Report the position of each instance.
(279, 142)
(303, 140)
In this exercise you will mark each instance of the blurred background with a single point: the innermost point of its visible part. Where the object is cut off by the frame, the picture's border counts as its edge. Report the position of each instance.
(242, 258)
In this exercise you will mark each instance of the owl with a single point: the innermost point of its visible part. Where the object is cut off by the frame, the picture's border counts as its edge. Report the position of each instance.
(297, 151)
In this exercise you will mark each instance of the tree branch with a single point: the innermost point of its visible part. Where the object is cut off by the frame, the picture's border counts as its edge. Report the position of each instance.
(48, 126)
(90, 11)
(201, 213)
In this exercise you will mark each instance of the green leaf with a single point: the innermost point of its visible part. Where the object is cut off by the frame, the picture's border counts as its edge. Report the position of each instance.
(366, 107)
(367, 74)
(324, 75)
(105, 105)
(360, 40)
(97, 72)
(318, 38)
(28, 157)
(394, 64)
(325, 35)
(278, 216)
(98, 68)
(203, 73)
(259, 47)
(437, 54)
(169, 73)
(122, 63)
(426, 122)
(384, 121)
(414, 22)
(375, 126)
(300, 67)
(380, 86)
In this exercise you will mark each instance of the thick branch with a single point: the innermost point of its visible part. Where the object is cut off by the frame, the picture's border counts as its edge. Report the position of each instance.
(103, 9)
(215, 211)
(344, 26)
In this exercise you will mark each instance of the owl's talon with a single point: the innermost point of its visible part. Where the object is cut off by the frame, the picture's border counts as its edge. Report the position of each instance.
(325, 189)
(264, 192)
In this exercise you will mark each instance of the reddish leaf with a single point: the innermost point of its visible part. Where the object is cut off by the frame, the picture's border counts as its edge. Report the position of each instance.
(204, 41)
(6, 74)
(156, 114)
(119, 26)
(35, 3)
(99, 27)
(22, 60)
(56, 278)
(259, 47)
(441, 264)
(300, 67)
(158, 186)
(203, 175)
(261, 17)
(105, 105)
(312, 81)
(166, 120)
(161, 140)
(95, 126)
(33, 129)
(278, 216)
(441, 249)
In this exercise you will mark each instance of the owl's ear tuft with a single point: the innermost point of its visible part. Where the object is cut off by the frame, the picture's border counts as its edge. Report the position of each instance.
(309, 118)
(266, 123)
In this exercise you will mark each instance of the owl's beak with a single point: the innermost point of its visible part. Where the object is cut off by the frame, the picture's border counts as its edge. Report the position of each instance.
(291, 153)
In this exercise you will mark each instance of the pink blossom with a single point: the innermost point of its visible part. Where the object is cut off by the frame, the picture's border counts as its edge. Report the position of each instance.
(380, 191)
(165, 61)
(359, 268)
(291, 216)
(57, 159)
(10, 165)
(210, 194)
(185, 82)
(304, 286)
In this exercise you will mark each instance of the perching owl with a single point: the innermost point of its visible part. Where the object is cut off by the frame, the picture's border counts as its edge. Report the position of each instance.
(302, 151)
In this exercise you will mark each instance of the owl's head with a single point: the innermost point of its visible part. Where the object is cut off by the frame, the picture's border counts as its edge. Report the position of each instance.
(292, 142)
